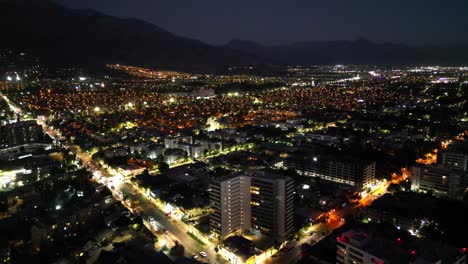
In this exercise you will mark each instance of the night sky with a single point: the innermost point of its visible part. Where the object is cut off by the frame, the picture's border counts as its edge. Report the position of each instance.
(286, 21)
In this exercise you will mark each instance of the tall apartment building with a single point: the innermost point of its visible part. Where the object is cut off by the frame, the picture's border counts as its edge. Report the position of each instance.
(272, 200)
(352, 172)
(230, 198)
(252, 200)
(21, 132)
(455, 157)
(439, 179)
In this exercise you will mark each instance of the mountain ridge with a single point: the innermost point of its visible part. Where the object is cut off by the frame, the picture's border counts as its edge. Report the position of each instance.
(360, 51)
(61, 36)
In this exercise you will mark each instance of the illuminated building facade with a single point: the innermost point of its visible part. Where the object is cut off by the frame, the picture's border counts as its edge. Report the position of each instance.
(350, 249)
(357, 173)
(272, 201)
(440, 180)
(252, 200)
(230, 199)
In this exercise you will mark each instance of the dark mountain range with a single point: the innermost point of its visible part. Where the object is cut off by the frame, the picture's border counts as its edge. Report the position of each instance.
(60, 36)
(65, 37)
(361, 51)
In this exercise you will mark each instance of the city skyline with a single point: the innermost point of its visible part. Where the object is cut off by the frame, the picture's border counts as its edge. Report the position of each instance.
(133, 141)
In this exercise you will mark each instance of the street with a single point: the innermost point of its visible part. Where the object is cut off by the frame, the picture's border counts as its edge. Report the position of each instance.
(176, 229)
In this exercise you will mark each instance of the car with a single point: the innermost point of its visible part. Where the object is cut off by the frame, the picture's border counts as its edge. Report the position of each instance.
(311, 233)
(305, 247)
(194, 256)
(203, 254)
(165, 231)
(288, 246)
(151, 219)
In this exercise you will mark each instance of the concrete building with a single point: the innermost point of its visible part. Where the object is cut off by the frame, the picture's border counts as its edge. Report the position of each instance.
(173, 155)
(211, 145)
(171, 142)
(154, 150)
(357, 173)
(272, 200)
(252, 200)
(192, 150)
(230, 197)
(455, 157)
(186, 143)
(21, 132)
(442, 181)
(358, 247)
(351, 248)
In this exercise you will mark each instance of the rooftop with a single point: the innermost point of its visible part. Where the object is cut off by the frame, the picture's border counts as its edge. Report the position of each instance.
(382, 248)
(403, 249)
(267, 175)
(430, 251)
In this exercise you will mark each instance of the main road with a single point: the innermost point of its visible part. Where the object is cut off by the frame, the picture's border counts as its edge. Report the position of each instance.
(176, 229)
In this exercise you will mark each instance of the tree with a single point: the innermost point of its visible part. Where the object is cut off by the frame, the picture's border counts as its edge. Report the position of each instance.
(163, 167)
(393, 187)
(431, 231)
(406, 185)
(83, 173)
(3, 204)
(178, 250)
(56, 171)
